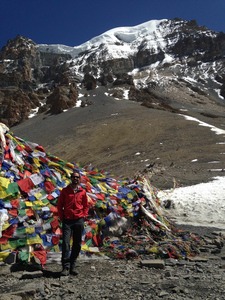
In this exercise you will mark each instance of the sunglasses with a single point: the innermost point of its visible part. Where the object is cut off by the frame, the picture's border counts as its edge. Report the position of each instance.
(77, 177)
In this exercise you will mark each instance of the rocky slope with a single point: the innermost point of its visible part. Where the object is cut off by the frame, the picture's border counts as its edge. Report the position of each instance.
(124, 137)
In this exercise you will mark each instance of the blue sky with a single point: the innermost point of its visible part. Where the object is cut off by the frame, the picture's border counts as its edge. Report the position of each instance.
(73, 22)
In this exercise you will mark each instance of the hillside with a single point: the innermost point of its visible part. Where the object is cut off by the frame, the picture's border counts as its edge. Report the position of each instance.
(124, 138)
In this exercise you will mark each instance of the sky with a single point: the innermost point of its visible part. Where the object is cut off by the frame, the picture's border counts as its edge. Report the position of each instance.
(73, 22)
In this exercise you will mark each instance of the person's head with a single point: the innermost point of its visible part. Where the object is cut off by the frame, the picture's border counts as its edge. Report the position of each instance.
(75, 177)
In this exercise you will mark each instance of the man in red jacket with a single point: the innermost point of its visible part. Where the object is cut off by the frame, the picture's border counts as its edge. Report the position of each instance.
(72, 210)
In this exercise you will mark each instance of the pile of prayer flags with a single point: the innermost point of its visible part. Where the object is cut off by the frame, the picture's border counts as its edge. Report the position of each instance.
(125, 217)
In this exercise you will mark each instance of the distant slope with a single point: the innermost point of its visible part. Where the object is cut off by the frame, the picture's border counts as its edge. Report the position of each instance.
(124, 137)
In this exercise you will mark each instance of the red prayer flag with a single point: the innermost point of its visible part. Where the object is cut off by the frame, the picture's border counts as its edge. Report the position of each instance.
(25, 184)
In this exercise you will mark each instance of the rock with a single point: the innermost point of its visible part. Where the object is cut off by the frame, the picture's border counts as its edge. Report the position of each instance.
(163, 294)
(4, 270)
(11, 297)
(198, 259)
(153, 263)
(215, 251)
(32, 275)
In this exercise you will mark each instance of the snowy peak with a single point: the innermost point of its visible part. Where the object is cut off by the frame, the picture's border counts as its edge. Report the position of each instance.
(123, 41)
(117, 36)
(129, 35)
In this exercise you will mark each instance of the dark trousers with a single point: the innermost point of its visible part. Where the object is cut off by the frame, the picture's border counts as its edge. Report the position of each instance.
(74, 229)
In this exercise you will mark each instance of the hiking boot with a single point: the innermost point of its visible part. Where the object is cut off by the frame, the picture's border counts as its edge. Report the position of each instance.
(65, 272)
(73, 271)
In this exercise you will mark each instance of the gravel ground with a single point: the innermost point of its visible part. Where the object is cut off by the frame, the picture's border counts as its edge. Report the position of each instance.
(202, 277)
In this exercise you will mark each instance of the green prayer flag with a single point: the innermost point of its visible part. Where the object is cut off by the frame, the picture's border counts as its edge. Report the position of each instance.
(12, 188)
(23, 256)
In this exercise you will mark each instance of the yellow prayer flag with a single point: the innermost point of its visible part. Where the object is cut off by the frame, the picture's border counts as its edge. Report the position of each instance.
(4, 247)
(30, 230)
(153, 249)
(3, 255)
(36, 161)
(130, 196)
(5, 226)
(4, 182)
(38, 195)
(102, 187)
(39, 203)
(85, 247)
(52, 163)
(3, 194)
(34, 240)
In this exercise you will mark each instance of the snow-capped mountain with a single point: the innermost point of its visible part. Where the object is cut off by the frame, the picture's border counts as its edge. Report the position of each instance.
(165, 64)
(119, 42)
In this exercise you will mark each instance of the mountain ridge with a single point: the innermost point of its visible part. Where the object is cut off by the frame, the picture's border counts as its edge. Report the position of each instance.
(166, 53)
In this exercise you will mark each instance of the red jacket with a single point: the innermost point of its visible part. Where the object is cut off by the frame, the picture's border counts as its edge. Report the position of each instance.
(72, 205)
